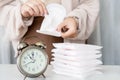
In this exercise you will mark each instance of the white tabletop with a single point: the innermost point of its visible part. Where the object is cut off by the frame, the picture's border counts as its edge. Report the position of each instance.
(10, 72)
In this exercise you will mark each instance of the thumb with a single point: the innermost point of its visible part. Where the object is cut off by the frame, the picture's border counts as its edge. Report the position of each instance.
(60, 26)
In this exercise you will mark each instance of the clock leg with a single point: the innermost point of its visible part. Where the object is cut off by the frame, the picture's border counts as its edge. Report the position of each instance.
(25, 77)
(43, 75)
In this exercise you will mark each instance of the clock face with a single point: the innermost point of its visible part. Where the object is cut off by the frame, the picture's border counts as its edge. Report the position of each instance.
(33, 61)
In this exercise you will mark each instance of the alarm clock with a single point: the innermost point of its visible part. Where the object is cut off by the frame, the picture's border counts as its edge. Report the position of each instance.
(32, 60)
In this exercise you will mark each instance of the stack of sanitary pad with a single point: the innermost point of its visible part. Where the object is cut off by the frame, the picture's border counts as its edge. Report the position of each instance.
(76, 60)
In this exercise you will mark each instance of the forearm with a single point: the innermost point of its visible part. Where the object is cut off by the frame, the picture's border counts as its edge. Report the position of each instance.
(12, 20)
(87, 13)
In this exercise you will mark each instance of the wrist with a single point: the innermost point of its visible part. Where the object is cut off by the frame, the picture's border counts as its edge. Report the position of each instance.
(76, 19)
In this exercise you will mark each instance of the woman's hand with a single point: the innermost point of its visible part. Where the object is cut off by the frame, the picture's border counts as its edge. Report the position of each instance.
(68, 28)
(33, 8)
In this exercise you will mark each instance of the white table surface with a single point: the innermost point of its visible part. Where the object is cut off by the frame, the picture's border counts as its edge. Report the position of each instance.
(10, 72)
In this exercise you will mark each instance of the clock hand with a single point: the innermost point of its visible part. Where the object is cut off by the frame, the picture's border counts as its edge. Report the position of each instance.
(28, 63)
(33, 54)
(30, 57)
(33, 61)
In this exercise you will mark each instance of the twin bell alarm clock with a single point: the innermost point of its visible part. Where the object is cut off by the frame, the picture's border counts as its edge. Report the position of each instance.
(32, 60)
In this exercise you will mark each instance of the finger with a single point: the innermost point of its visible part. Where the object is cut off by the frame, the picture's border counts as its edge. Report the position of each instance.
(34, 7)
(41, 10)
(69, 34)
(26, 11)
(30, 11)
(39, 6)
(44, 8)
(60, 26)
(26, 14)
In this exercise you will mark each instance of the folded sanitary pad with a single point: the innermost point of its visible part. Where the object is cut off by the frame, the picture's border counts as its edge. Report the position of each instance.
(51, 21)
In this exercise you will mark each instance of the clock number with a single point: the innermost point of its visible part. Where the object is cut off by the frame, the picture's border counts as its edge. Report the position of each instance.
(25, 66)
(24, 62)
(33, 69)
(40, 64)
(25, 58)
(41, 60)
(32, 54)
(29, 68)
